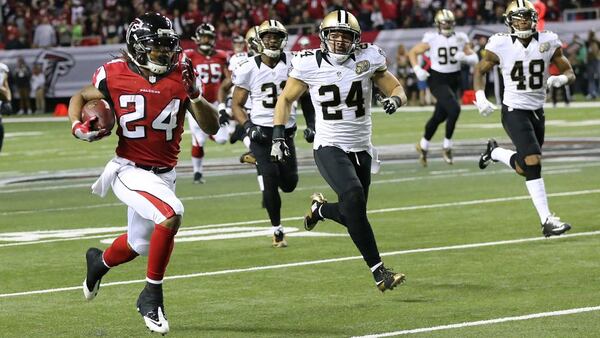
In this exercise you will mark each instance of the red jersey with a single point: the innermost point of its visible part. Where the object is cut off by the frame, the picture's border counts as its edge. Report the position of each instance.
(211, 70)
(149, 115)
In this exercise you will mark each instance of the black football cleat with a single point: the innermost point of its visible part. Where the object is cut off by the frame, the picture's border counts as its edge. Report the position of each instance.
(248, 158)
(554, 226)
(95, 270)
(312, 217)
(198, 179)
(422, 155)
(447, 155)
(486, 157)
(279, 240)
(386, 279)
(150, 306)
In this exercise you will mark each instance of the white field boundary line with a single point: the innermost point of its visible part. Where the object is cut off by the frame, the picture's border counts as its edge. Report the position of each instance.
(288, 219)
(558, 171)
(550, 169)
(485, 322)
(315, 262)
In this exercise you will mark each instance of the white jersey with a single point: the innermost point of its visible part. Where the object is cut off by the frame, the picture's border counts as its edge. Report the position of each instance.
(236, 59)
(3, 73)
(341, 95)
(443, 48)
(524, 69)
(264, 85)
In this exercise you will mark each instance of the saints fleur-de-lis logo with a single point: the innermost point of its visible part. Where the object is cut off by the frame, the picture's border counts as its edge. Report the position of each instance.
(362, 66)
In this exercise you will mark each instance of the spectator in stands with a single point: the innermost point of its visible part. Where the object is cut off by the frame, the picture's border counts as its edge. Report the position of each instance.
(45, 35)
(23, 83)
(14, 40)
(593, 65)
(405, 75)
(365, 9)
(63, 30)
(377, 17)
(389, 10)
(77, 32)
(38, 87)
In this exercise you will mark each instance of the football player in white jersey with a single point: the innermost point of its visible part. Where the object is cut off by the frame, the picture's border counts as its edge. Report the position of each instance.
(523, 57)
(448, 49)
(5, 97)
(262, 78)
(339, 77)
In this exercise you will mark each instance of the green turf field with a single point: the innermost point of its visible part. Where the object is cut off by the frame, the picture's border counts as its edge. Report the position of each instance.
(469, 242)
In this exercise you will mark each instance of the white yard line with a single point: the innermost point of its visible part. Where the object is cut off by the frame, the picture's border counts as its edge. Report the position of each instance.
(485, 322)
(375, 211)
(549, 171)
(315, 262)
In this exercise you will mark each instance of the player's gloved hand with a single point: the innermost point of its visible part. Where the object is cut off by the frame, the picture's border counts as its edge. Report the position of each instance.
(485, 107)
(460, 56)
(82, 130)
(188, 78)
(557, 81)
(420, 73)
(255, 133)
(279, 150)
(223, 116)
(390, 104)
(309, 134)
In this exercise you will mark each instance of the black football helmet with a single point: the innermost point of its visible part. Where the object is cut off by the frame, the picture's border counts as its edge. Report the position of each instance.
(152, 43)
(205, 44)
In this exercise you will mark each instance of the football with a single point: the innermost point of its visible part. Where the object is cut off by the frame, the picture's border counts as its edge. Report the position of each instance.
(100, 108)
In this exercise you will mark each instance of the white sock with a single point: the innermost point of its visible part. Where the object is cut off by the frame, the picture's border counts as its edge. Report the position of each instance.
(424, 143)
(537, 191)
(502, 155)
(374, 267)
(197, 164)
(152, 281)
(447, 143)
(278, 229)
(246, 141)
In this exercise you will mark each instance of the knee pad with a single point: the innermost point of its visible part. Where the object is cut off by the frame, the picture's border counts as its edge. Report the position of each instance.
(198, 151)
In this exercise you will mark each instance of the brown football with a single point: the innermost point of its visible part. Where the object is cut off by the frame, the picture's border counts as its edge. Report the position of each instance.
(100, 108)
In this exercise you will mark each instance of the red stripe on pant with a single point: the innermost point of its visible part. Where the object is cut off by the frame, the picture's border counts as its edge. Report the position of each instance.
(198, 151)
(162, 206)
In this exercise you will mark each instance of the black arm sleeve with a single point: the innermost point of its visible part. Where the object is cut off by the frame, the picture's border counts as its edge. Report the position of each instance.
(308, 110)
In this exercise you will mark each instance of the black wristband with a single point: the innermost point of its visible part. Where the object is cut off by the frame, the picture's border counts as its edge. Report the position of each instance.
(278, 131)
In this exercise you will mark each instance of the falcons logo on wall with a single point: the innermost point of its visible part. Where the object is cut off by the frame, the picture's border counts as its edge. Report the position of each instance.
(55, 64)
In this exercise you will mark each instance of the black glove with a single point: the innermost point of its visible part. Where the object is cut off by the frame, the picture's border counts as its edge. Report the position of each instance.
(390, 104)
(279, 150)
(223, 118)
(255, 133)
(309, 134)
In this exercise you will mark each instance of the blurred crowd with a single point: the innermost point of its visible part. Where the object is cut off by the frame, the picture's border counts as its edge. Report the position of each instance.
(49, 23)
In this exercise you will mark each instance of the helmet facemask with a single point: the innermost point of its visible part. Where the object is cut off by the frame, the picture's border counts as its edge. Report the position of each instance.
(339, 43)
(157, 53)
(272, 43)
(446, 27)
(522, 22)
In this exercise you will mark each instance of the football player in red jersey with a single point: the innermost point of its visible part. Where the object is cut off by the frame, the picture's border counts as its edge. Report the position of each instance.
(211, 65)
(150, 88)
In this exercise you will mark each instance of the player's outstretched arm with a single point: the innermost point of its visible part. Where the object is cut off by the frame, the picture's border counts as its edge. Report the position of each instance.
(294, 88)
(391, 87)
(567, 76)
(204, 113)
(489, 60)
